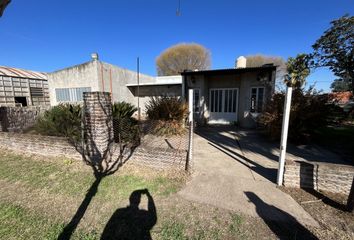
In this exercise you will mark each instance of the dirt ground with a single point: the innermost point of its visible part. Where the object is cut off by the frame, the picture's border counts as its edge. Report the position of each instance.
(329, 210)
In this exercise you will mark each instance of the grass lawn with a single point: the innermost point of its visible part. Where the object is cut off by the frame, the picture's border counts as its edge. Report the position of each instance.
(39, 196)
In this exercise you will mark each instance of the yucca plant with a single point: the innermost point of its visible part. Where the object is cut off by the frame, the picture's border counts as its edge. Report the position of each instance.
(169, 112)
(125, 126)
(123, 110)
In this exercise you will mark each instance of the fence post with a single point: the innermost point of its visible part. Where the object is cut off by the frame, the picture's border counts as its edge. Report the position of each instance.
(284, 135)
(190, 135)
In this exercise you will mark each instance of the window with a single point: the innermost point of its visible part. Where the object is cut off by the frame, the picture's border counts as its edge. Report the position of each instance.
(223, 100)
(257, 99)
(70, 94)
(196, 100)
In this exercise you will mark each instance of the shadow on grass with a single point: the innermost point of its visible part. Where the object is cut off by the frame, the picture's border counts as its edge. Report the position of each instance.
(99, 155)
(132, 223)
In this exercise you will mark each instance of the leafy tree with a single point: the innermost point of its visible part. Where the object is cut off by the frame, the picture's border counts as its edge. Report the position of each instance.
(183, 56)
(334, 49)
(339, 85)
(297, 71)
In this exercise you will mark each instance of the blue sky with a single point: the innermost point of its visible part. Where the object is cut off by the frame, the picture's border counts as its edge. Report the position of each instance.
(47, 35)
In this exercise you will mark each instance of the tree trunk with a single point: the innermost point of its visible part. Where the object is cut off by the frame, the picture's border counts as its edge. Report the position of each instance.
(350, 203)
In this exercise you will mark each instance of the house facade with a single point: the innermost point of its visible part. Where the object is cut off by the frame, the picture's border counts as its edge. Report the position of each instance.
(67, 85)
(230, 96)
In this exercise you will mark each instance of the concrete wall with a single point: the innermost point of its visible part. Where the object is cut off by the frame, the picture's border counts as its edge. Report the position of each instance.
(120, 78)
(100, 76)
(83, 75)
(328, 177)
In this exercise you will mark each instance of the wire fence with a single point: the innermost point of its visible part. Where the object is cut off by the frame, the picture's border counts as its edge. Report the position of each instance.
(155, 143)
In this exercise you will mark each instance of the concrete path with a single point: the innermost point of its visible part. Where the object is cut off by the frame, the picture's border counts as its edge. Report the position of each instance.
(229, 174)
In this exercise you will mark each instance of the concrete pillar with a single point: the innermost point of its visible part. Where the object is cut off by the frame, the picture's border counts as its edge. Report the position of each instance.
(98, 125)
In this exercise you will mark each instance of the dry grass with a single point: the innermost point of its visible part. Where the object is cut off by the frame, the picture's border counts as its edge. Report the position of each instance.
(335, 223)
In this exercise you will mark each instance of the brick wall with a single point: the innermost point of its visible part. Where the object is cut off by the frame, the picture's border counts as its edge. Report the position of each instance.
(329, 177)
(17, 119)
(37, 144)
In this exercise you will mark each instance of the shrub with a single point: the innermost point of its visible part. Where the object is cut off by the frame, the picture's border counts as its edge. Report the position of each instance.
(308, 113)
(166, 109)
(61, 120)
(123, 110)
(125, 127)
(169, 114)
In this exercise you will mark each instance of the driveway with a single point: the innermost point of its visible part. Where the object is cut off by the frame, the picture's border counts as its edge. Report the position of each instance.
(236, 170)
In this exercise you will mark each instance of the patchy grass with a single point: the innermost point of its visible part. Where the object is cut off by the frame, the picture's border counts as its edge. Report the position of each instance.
(40, 195)
(335, 223)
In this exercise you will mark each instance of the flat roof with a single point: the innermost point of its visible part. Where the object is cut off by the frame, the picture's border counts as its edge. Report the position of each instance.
(160, 81)
(229, 70)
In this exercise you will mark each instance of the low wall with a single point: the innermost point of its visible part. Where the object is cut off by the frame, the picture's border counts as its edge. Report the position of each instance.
(57, 146)
(328, 177)
(17, 119)
(37, 144)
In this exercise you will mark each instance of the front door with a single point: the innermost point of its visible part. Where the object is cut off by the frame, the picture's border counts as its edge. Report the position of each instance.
(223, 105)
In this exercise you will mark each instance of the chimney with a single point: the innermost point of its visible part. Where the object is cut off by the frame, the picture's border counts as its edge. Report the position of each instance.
(94, 56)
(241, 62)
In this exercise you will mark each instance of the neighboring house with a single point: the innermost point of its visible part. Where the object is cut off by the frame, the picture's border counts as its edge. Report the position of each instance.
(67, 85)
(227, 96)
(19, 87)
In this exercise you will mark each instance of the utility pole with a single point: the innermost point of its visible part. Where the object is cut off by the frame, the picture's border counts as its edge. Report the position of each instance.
(138, 79)
(284, 135)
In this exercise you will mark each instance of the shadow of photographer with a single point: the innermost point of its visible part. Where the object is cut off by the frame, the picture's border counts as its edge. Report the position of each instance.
(132, 222)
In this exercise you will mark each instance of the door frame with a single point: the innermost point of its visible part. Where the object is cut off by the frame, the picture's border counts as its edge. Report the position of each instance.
(223, 100)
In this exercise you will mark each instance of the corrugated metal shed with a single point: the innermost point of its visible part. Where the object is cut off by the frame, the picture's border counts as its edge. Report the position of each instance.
(16, 72)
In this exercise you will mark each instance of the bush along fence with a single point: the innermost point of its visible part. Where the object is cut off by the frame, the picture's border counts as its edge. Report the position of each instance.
(106, 131)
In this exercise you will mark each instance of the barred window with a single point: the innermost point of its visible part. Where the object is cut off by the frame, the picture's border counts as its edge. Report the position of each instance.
(257, 99)
(70, 94)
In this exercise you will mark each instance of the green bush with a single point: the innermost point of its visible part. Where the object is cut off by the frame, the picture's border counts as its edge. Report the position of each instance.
(309, 112)
(126, 128)
(169, 114)
(123, 110)
(61, 120)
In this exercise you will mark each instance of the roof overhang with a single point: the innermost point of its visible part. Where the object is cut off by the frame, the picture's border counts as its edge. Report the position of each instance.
(229, 71)
(153, 84)
(160, 81)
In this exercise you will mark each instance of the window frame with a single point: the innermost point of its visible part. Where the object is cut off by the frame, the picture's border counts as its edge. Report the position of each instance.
(70, 94)
(255, 109)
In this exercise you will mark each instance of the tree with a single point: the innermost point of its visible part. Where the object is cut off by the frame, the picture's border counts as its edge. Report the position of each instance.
(339, 85)
(260, 59)
(297, 71)
(183, 56)
(334, 49)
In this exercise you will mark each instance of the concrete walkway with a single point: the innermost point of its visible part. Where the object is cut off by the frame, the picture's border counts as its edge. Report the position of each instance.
(236, 171)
